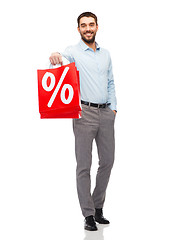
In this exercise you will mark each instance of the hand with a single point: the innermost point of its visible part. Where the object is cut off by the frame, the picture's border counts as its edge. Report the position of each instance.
(56, 58)
(114, 112)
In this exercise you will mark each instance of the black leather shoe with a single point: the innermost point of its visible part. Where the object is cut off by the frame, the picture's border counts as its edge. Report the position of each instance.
(99, 216)
(90, 224)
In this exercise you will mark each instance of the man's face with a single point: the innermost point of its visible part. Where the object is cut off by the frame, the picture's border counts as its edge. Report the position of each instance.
(88, 29)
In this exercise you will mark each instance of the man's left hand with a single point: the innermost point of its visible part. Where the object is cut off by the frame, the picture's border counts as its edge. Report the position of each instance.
(114, 112)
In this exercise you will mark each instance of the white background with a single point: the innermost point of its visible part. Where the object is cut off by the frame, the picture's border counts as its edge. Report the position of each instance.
(38, 198)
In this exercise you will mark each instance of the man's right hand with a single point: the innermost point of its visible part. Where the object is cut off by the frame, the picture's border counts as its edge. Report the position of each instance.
(56, 58)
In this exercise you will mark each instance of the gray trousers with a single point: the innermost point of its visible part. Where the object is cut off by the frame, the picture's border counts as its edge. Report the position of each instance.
(98, 124)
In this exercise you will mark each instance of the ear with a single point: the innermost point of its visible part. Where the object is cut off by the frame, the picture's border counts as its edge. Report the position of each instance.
(78, 29)
(97, 27)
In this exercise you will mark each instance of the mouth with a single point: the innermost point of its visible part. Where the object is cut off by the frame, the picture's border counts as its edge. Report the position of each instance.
(88, 34)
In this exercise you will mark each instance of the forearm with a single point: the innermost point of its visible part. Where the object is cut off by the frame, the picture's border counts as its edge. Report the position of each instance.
(112, 95)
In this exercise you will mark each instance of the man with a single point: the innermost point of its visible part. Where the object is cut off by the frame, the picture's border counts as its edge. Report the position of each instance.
(98, 115)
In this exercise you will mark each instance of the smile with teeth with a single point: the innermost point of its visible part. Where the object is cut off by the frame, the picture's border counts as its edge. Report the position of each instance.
(88, 34)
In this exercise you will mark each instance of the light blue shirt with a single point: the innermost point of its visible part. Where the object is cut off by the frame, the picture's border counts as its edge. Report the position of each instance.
(95, 71)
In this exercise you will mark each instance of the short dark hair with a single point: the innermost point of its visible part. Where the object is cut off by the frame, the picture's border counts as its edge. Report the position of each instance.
(87, 14)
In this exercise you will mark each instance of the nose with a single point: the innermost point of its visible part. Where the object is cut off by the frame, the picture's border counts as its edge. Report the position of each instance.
(87, 28)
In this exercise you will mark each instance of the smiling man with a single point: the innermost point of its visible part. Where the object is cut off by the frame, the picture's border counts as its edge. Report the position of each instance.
(98, 115)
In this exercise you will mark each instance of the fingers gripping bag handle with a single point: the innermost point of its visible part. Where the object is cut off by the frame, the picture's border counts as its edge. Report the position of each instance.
(65, 62)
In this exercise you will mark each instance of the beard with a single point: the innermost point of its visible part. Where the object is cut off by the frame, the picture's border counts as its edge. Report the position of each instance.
(88, 40)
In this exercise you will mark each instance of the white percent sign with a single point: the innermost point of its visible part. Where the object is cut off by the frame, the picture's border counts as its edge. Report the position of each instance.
(52, 84)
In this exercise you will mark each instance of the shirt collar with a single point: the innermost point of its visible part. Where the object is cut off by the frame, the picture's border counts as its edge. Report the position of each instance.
(85, 47)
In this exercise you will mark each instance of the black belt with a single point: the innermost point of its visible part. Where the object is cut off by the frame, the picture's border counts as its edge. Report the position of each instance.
(103, 105)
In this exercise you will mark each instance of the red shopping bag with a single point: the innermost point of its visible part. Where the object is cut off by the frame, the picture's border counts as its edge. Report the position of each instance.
(59, 92)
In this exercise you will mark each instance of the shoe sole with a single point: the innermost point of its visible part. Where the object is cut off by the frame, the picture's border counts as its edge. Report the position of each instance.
(89, 229)
(101, 222)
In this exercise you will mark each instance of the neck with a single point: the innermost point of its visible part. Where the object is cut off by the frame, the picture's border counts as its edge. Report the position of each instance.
(91, 45)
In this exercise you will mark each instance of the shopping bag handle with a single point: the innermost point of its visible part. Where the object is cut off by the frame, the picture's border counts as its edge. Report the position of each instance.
(65, 62)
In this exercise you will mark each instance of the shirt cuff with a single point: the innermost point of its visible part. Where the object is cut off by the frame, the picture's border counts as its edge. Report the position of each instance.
(113, 107)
